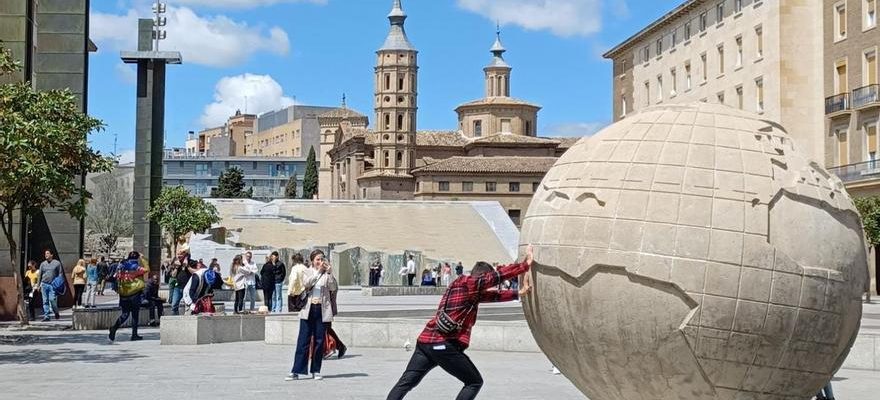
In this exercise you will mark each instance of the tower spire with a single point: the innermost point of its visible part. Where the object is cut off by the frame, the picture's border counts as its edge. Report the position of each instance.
(397, 39)
(343, 100)
(498, 50)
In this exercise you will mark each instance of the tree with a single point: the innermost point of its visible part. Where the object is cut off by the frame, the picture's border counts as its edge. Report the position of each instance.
(310, 181)
(109, 213)
(179, 213)
(44, 142)
(869, 208)
(231, 185)
(290, 189)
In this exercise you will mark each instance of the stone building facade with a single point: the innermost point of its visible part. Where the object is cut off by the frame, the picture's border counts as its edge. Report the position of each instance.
(742, 53)
(496, 145)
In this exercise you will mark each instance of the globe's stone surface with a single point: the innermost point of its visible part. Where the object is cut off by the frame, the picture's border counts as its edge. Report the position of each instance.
(690, 252)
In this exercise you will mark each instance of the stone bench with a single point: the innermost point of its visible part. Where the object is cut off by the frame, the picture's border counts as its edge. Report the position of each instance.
(208, 329)
(403, 291)
(395, 332)
(92, 319)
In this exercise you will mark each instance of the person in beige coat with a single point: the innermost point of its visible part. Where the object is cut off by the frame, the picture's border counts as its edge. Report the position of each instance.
(319, 281)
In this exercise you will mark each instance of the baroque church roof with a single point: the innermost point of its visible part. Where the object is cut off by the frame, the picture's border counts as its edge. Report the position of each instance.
(492, 165)
(342, 113)
(507, 101)
(507, 138)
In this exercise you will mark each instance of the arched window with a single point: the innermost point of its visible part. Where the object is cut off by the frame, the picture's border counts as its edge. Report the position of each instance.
(387, 81)
(400, 122)
(498, 86)
(400, 82)
(387, 158)
(387, 121)
(399, 159)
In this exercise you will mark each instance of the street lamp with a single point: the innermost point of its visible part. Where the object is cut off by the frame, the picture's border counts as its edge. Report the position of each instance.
(158, 23)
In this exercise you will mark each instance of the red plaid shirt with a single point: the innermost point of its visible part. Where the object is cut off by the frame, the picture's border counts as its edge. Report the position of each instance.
(464, 296)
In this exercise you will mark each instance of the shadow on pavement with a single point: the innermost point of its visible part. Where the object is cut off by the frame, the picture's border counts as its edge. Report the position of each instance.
(354, 375)
(97, 337)
(43, 356)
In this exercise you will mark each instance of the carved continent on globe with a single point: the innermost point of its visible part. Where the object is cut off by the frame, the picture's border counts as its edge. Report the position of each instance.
(691, 252)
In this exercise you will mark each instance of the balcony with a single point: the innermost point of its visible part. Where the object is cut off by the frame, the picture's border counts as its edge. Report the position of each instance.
(863, 171)
(866, 96)
(837, 105)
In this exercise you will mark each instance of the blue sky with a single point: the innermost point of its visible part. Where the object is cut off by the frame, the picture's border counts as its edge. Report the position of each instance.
(272, 51)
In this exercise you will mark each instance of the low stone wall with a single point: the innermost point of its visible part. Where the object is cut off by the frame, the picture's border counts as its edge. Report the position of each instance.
(92, 319)
(394, 333)
(222, 295)
(208, 329)
(403, 291)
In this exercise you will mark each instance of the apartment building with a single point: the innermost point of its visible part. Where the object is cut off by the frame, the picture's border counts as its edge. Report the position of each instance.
(763, 56)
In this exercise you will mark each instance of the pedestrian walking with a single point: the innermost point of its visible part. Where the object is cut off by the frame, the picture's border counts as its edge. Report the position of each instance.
(250, 267)
(446, 277)
(78, 275)
(410, 270)
(375, 272)
(185, 268)
(91, 283)
(267, 280)
(49, 271)
(103, 268)
(447, 335)
(239, 282)
(459, 269)
(154, 303)
(31, 289)
(312, 319)
(280, 274)
(130, 285)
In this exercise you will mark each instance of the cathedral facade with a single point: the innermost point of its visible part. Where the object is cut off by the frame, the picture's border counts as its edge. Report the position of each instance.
(494, 155)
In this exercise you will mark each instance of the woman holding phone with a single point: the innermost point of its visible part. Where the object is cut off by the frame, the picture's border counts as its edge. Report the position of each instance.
(319, 283)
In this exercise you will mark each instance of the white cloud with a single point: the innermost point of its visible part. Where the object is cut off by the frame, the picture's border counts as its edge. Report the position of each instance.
(243, 3)
(259, 93)
(575, 129)
(216, 41)
(126, 73)
(562, 17)
(126, 156)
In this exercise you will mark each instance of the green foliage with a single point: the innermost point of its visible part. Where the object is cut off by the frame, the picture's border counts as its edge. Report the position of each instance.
(179, 213)
(290, 189)
(310, 181)
(869, 208)
(44, 147)
(231, 185)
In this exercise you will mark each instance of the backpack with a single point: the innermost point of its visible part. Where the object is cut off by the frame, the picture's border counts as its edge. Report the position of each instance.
(210, 277)
(59, 285)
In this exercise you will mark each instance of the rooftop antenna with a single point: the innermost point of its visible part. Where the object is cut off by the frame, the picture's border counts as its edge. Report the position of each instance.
(343, 100)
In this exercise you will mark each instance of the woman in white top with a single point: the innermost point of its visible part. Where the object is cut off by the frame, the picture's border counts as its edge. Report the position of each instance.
(318, 280)
(239, 275)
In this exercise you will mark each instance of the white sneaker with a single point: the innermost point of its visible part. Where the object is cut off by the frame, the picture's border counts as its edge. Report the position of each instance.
(291, 377)
(555, 371)
(317, 377)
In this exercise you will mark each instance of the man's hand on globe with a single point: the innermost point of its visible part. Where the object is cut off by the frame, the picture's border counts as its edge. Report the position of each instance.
(530, 255)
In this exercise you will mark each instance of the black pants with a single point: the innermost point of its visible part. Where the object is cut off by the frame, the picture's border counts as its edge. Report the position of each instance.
(239, 300)
(448, 356)
(409, 279)
(156, 307)
(267, 295)
(374, 277)
(78, 294)
(131, 306)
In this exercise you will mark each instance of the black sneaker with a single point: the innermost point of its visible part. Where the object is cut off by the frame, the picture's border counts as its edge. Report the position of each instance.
(342, 351)
(135, 338)
(112, 335)
(57, 316)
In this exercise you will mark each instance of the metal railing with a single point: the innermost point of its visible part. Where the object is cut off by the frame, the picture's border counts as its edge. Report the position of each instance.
(858, 171)
(866, 95)
(837, 103)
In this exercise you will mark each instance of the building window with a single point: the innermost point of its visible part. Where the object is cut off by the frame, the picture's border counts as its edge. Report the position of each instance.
(513, 187)
(514, 216)
(739, 51)
(646, 54)
(467, 186)
(739, 97)
(659, 88)
(658, 47)
(202, 169)
(399, 159)
(870, 7)
(704, 21)
(841, 79)
(529, 123)
(870, 75)
(759, 94)
(842, 148)
(400, 122)
(871, 136)
(387, 81)
(687, 31)
(536, 186)
(647, 93)
(387, 122)
(721, 60)
(505, 125)
(840, 21)
(491, 186)
(720, 97)
(687, 76)
(387, 158)
(719, 12)
(674, 38)
(478, 128)
(673, 75)
(622, 105)
(759, 42)
(737, 5)
(400, 82)
(443, 186)
(704, 66)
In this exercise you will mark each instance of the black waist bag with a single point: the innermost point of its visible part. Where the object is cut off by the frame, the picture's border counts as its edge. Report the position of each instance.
(447, 325)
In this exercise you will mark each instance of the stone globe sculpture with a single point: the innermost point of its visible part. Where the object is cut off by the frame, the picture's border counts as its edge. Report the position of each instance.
(692, 252)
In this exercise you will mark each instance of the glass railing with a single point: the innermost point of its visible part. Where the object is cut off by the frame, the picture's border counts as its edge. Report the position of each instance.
(837, 103)
(866, 95)
(858, 171)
